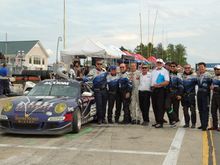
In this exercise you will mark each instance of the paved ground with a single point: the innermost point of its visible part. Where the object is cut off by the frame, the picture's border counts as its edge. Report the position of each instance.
(112, 145)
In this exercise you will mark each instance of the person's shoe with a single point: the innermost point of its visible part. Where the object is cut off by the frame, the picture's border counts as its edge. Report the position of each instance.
(218, 129)
(200, 127)
(138, 122)
(144, 123)
(164, 121)
(186, 126)
(153, 125)
(104, 121)
(110, 121)
(133, 121)
(173, 124)
(100, 122)
(159, 126)
(177, 120)
(124, 122)
(212, 128)
(193, 126)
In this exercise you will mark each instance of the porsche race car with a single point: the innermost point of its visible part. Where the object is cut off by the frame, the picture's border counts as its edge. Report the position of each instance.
(51, 107)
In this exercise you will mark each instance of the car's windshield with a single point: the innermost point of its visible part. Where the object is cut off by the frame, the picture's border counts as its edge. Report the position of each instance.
(55, 89)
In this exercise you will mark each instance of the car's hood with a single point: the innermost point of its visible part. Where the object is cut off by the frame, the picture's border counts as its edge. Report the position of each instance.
(41, 103)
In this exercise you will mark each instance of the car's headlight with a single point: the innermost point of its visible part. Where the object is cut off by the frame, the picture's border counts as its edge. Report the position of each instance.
(56, 118)
(3, 117)
(60, 108)
(7, 106)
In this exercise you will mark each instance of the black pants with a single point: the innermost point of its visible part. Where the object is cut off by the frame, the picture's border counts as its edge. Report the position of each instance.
(215, 108)
(112, 98)
(189, 102)
(5, 86)
(203, 100)
(158, 100)
(144, 102)
(171, 107)
(101, 101)
(122, 100)
(1, 87)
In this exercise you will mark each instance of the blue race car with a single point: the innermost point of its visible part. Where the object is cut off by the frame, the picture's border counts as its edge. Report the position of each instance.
(51, 107)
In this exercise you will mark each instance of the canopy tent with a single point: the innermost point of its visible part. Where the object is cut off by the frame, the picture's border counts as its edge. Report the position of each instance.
(137, 57)
(152, 59)
(89, 48)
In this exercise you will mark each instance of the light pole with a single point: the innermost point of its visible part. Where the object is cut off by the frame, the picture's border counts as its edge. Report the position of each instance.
(58, 41)
(20, 58)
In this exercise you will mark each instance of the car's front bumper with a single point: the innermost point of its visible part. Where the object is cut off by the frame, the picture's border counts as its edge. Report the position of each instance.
(40, 128)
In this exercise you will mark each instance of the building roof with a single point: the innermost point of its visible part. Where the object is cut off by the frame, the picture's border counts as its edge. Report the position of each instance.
(12, 47)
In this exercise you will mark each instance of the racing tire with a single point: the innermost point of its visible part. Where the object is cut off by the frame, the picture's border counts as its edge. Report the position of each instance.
(77, 121)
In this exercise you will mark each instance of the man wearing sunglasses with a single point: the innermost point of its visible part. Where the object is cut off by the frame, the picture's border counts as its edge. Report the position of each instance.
(215, 103)
(98, 76)
(189, 93)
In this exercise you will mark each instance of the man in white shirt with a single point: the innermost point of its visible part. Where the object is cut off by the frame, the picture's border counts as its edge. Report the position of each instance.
(144, 93)
(160, 79)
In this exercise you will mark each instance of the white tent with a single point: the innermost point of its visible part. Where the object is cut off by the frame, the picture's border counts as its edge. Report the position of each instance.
(90, 48)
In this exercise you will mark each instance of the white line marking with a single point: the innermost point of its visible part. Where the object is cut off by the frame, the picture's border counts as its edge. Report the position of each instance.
(173, 153)
(82, 149)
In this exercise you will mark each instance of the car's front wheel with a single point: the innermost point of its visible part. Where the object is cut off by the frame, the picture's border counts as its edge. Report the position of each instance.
(77, 121)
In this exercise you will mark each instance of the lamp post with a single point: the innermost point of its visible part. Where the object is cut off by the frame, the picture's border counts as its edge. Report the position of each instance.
(20, 58)
(59, 39)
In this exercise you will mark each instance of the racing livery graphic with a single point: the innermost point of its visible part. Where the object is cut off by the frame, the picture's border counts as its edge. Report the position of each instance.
(51, 107)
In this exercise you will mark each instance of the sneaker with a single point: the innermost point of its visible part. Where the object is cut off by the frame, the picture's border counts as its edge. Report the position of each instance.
(145, 123)
(199, 127)
(159, 126)
(173, 124)
(193, 126)
(186, 126)
(138, 122)
(153, 125)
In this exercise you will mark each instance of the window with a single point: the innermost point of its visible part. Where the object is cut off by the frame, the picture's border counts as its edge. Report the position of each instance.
(37, 60)
(30, 60)
(42, 61)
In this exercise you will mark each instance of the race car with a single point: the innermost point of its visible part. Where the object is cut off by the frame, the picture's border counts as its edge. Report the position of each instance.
(51, 107)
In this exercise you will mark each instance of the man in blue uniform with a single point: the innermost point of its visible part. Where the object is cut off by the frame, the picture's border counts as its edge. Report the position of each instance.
(174, 94)
(188, 99)
(204, 82)
(112, 87)
(98, 76)
(124, 92)
(215, 104)
(4, 81)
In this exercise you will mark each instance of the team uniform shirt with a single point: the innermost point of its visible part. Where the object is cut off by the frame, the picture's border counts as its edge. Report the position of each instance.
(124, 83)
(145, 82)
(98, 78)
(204, 82)
(112, 82)
(176, 84)
(189, 83)
(216, 85)
(159, 76)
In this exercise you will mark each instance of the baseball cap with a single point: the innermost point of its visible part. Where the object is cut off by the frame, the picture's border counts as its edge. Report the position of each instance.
(112, 67)
(217, 67)
(160, 60)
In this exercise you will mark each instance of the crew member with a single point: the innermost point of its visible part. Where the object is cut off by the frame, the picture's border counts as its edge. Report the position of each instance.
(160, 79)
(98, 75)
(124, 95)
(173, 96)
(4, 81)
(215, 104)
(144, 93)
(188, 99)
(112, 86)
(134, 76)
(204, 82)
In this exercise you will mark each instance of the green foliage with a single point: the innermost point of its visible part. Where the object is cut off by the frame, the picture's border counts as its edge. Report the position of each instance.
(175, 53)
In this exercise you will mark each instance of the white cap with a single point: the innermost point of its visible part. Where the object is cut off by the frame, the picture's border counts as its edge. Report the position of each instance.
(160, 60)
(217, 66)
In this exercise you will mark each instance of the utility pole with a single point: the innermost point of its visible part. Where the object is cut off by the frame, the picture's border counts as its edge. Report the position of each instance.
(141, 45)
(64, 24)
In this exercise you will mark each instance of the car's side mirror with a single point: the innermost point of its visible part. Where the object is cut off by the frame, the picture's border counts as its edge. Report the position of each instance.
(86, 94)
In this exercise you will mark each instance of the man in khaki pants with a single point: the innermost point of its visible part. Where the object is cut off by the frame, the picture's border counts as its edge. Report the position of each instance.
(134, 76)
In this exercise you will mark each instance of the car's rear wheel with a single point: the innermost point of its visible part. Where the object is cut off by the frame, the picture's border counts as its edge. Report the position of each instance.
(77, 121)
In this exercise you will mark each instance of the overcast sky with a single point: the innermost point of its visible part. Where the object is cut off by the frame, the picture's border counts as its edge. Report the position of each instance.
(193, 23)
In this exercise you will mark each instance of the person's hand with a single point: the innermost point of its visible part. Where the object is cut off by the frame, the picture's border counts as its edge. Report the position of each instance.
(211, 87)
(157, 86)
(127, 95)
(178, 97)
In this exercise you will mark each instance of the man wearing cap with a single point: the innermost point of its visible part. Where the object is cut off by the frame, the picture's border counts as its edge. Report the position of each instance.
(112, 87)
(144, 93)
(160, 79)
(98, 76)
(215, 103)
(204, 82)
(124, 92)
(189, 93)
(134, 76)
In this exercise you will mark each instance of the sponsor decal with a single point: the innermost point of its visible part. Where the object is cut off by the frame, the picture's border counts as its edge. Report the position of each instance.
(57, 83)
(26, 119)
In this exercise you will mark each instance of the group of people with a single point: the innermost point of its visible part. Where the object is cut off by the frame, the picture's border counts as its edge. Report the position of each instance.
(165, 86)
